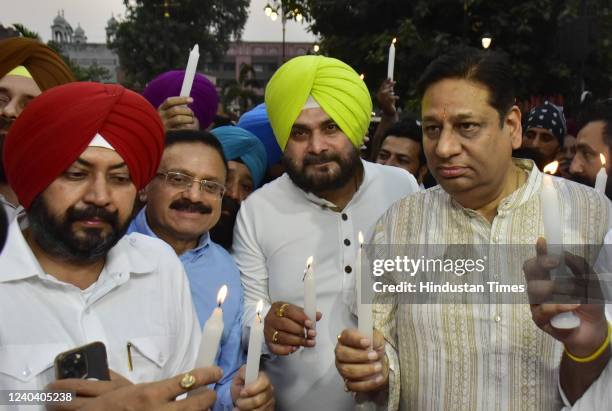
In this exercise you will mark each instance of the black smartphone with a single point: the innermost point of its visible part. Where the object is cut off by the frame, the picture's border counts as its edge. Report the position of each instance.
(88, 361)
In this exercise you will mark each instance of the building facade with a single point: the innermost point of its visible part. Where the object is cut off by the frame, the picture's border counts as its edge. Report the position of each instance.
(264, 57)
(74, 45)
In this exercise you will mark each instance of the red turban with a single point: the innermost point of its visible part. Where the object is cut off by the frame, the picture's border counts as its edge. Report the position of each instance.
(57, 126)
(46, 66)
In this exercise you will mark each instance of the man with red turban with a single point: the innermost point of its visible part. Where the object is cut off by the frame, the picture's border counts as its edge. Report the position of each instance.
(76, 157)
(27, 68)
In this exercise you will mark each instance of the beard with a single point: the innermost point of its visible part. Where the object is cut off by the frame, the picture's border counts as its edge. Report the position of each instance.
(313, 183)
(582, 180)
(223, 232)
(56, 236)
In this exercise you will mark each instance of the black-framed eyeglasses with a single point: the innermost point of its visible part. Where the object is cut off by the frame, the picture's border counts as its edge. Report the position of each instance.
(184, 182)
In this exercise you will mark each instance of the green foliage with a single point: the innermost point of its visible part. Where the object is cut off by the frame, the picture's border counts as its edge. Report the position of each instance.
(157, 35)
(238, 96)
(550, 44)
(26, 32)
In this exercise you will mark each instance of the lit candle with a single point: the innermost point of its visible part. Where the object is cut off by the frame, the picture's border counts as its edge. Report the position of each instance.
(391, 60)
(310, 292)
(190, 71)
(553, 225)
(362, 76)
(364, 311)
(255, 342)
(602, 176)
(211, 335)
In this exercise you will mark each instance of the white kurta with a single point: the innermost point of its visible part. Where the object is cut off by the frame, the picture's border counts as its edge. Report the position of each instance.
(278, 228)
(141, 297)
(480, 356)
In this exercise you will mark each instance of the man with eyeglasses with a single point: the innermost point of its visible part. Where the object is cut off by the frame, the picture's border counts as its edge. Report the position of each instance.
(183, 204)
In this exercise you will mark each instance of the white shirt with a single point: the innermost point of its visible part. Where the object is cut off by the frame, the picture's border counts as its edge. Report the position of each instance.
(141, 296)
(599, 394)
(277, 229)
(12, 211)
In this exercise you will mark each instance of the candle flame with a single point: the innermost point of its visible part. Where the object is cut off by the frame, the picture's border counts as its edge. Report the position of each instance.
(551, 168)
(221, 295)
(360, 238)
(602, 158)
(259, 307)
(362, 76)
(308, 265)
(394, 40)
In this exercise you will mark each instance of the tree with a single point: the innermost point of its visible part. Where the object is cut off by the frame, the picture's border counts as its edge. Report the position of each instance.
(240, 95)
(157, 35)
(535, 33)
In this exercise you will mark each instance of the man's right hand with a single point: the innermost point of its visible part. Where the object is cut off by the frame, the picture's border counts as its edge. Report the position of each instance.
(175, 114)
(286, 328)
(160, 396)
(387, 98)
(363, 369)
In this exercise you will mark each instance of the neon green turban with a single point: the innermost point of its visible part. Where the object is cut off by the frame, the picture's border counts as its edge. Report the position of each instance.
(337, 88)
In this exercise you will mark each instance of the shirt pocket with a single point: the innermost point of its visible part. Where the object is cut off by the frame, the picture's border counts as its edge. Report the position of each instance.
(149, 357)
(25, 364)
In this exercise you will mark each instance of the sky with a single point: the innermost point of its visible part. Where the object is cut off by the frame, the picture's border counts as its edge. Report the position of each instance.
(38, 15)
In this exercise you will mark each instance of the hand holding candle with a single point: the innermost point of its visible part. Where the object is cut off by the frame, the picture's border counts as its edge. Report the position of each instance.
(254, 352)
(190, 71)
(602, 176)
(211, 335)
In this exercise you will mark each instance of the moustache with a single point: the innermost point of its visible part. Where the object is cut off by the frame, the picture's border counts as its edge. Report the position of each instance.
(189, 206)
(74, 214)
(310, 159)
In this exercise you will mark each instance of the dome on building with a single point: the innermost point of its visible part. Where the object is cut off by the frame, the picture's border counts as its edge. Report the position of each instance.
(112, 22)
(79, 35)
(61, 30)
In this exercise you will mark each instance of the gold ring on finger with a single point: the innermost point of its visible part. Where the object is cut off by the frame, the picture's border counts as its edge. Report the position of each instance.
(275, 337)
(281, 310)
(187, 381)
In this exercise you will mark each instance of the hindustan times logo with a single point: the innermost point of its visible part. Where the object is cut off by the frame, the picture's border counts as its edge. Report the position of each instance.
(411, 266)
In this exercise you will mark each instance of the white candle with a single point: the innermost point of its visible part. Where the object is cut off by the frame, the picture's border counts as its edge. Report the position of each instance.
(310, 292)
(255, 342)
(364, 311)
(391, 60)
(602, 176)
(550, 209)
(211, 335)
(551, 214)
(190, 71)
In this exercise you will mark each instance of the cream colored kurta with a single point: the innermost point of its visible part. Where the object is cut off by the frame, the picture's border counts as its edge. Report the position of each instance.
(479, 356)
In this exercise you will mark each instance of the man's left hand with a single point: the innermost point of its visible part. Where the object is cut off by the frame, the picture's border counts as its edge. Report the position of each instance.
(581, 341)
(256, 396)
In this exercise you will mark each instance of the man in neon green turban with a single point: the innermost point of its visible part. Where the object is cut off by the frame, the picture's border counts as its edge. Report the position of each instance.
(334, 85)
(319, 110)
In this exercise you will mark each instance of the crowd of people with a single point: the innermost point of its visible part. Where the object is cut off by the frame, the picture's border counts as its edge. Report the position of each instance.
(126, 212)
